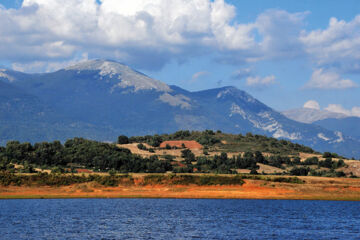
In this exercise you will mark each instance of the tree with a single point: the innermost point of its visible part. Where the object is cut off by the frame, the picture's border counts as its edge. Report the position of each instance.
(296, 161)
(340, 174)
(122, 139)
(340, 163)
(223, 157)
(259, 157)
(209, 132)
(155, 141)
(311, 161)
(169, 157)
(57, 169)
(300, 171)
(327, 163)
(188, 156)
(112, 172)
(141, 146)
(249, 155)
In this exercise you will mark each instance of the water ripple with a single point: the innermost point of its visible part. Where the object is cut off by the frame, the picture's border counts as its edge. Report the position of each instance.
(178, 219)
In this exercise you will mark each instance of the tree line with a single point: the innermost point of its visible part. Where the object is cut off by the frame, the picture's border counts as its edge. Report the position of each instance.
(79, 152)
(104, 157)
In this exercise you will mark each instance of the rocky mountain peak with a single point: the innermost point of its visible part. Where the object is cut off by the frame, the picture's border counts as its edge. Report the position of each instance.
(127, 76)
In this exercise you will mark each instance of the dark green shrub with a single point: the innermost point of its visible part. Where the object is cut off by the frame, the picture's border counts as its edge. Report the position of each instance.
(311, 161)
(301, 171)
(122, 139)
(141, 146)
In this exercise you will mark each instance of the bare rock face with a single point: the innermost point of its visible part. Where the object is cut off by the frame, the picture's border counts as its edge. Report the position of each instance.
(126, 76)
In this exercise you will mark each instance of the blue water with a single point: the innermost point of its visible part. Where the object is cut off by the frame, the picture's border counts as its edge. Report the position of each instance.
(178, 219)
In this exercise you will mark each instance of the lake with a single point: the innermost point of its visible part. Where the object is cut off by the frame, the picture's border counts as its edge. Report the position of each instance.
(178, 219)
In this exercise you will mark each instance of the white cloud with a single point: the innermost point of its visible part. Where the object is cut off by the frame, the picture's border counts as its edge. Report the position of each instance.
(150, 33)
(260, 82)
(273, 35)
(323, 79)
(338, 108)
(198, 75)
(312, 104)
(47, 66)
(334, 50)
(355, 111)
(144, 33)
(280, 31)
(242, 73)
(337, 46)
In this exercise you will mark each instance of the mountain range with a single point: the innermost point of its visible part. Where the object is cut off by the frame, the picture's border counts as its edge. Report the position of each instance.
(101, 99)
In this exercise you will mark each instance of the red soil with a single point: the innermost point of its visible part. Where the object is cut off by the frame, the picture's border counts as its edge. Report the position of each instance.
(188, 144)
(313, 188)
(80, 170)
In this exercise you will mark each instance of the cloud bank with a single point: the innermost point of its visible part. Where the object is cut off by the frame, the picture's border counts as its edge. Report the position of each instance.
(322, 79)
(260, 82)
(312, 104)
(354, 112)
(148, 34)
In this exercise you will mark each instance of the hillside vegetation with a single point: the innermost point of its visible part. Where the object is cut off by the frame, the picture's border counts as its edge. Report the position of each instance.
(221, 153)
(230, 142)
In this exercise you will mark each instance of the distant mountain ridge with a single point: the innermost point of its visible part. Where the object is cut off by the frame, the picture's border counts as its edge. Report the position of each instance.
(101, 99)
(349, 126)
(310, 115)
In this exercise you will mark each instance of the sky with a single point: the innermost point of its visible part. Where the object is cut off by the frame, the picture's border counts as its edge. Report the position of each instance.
(287, 54)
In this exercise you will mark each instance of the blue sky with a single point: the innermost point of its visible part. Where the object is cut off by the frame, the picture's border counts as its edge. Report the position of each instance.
(283, 52)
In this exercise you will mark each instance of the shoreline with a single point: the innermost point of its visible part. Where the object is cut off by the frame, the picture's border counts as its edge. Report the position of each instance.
(314, 188)
(142, 197)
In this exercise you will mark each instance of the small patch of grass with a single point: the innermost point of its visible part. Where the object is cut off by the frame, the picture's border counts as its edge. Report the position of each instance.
(295, 180)
(200, 180)
(287, 180)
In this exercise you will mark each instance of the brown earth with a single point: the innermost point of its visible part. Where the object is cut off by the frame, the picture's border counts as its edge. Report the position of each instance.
(135, 150)
(160, 152)
(314, 188)
(268, 169)
(353, 166)
(174, 152)
(304, 156)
